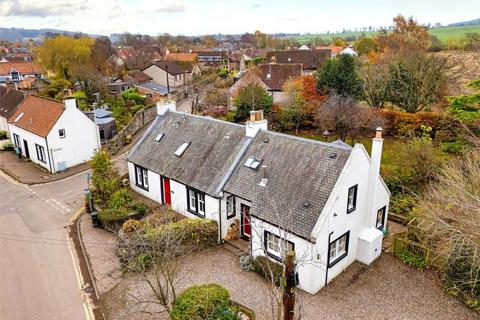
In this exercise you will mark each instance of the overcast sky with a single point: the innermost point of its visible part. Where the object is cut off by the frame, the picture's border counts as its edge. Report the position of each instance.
(196, 17)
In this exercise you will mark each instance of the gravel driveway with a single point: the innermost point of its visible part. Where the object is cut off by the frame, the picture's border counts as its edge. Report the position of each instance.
(386, 290)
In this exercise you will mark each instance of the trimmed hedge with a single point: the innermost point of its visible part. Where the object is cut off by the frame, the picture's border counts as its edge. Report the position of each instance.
(268, 269)
(200, 233)
(201, 302)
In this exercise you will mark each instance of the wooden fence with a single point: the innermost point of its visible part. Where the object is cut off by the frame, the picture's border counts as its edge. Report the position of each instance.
(401, 245)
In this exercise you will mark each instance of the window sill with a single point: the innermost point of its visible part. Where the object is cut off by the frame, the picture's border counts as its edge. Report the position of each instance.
(351, 210)
(196, 213)
(141, 187)
(337, 260)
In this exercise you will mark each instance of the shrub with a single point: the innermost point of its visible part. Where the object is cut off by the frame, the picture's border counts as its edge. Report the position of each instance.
(247, 263)
(3, 134)
(8, 146)
(157, 219)
(140, 263)
(412, 260)
(198, 233)
(454, 147)
(132, 225)
(272, 271)
(105, 178)
(139, 208)
(113, 218)
(200, 302)
(121, 199)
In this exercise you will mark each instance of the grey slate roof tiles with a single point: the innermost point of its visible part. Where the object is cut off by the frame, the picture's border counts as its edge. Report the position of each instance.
(213, 146)
(301, 173)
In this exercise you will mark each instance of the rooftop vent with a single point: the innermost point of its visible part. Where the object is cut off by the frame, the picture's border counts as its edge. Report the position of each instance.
(306, 204)
(265, 140)
(332, 155)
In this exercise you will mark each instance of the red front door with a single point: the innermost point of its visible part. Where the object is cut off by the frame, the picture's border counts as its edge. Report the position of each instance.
(246, 228)
(166, 191)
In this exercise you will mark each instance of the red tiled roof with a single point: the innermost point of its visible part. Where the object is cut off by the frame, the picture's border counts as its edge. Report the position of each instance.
(39, 115)
(182, 56)
(26, 67)
(26, 83)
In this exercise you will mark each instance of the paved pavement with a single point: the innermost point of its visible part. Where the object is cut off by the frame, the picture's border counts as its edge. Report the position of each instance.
(38, 273)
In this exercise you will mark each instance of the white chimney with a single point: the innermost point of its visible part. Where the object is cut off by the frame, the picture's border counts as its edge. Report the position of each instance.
(374, 173)
(256, 123)
(164, 107)
(70, 103)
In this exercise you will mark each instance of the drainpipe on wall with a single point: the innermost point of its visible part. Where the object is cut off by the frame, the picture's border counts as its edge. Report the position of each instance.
(328, 258)
(50, 160)
(220, 240)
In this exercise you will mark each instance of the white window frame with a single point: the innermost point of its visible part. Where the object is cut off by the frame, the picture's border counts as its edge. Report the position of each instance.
(383, 212)
(192, 196)
(141, 177)
(40, 153)
(338, 249)
(201, 203)
(352, 198)
(275, 246)
(181, 150)
(16, 140)
(231, 210)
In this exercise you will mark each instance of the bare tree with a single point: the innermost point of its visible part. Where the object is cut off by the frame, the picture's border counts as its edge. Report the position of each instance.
(344, 116)
(375, 84)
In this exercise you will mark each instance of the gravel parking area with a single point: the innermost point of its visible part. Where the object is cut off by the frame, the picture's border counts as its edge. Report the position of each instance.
(386, 290)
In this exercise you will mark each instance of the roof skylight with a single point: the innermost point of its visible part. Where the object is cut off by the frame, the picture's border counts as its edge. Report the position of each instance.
(181, 150)
(19, 117)
(253, 163)
(159, 137)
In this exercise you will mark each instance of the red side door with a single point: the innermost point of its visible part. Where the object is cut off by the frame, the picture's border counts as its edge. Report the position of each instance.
(166, 191)
(246, 227)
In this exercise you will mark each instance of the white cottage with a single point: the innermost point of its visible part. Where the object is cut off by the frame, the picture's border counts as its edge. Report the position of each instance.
(325, 201)
(52, 134)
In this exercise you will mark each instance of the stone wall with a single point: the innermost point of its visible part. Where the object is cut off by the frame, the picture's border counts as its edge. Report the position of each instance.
(140, 119)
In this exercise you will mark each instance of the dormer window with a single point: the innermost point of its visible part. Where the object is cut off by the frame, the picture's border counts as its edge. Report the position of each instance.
(159, 137)
(181, 150)
(269, 76)
(253, 163)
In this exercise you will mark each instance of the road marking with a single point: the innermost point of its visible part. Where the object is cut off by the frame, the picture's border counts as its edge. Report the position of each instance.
(77, 214)
(87, 308)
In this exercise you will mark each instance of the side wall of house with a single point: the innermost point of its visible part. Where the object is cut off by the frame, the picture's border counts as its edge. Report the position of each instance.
(310, 271)
(158, 76)
(154, 190)
(81, 139)
(335, 221)
(31, 140)
(4, 125)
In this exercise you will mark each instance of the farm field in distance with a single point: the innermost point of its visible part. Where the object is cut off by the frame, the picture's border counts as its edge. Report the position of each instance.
(443, 33)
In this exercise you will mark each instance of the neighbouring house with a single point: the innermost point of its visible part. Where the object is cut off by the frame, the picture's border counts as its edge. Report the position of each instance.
(271, 76)
(105, 122)
(212, 58)
(33, 85)
(18, 71)
(10, 99)
(177, 75)
(157, 92)
(325, 201)
(304, 47)
(349, 51)
(117, 85)
(134, 77)
(309, 59)
(181, 56)
(52, 134)
(335, 50)
(135, 57)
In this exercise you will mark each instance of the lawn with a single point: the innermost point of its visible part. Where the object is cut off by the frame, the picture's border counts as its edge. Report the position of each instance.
(443, 33)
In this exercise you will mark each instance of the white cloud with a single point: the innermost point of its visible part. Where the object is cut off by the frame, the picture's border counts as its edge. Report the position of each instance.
(42, 8)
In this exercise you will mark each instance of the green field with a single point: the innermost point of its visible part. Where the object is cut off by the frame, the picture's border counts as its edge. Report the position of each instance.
(444, 34)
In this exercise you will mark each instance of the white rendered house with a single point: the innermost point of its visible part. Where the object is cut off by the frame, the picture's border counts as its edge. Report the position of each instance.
(53, 134)
(325, 201)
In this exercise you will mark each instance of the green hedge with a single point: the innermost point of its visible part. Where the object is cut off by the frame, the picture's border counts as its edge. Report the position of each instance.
(201, 302)
(268, 269)
(201, 233)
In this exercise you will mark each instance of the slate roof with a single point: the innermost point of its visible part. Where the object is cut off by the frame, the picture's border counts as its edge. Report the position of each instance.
(154, 87)
(279, 73)
(170, 66)
(9, 101)
(310, 59)
(39, 115)
(213, 147)
(301, 174)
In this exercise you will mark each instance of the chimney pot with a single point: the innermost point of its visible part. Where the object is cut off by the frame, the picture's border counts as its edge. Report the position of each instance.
(378, 133)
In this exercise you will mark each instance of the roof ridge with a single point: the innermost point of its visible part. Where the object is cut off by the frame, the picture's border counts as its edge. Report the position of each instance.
(51, 99)
(204, 118)
(301, 139)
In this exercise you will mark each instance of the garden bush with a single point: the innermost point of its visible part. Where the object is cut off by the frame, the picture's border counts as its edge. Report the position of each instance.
(201, 302)
(113, 218)
(8, 146)
(412, 260)
(132, 225)
(140, 263)
(3, 134)
(272, 271)
(246, 263)
(197, 233)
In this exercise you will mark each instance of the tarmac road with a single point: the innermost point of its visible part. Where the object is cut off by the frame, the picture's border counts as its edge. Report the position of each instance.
(39, 277)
